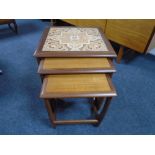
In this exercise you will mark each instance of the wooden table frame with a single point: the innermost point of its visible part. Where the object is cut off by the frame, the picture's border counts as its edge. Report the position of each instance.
(98, 100)
(98, 116)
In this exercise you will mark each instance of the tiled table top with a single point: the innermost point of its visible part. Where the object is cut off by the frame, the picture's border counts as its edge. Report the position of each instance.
(74, 42)
(74, 39)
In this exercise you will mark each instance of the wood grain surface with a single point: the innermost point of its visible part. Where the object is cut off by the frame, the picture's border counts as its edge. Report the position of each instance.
(134, 33)
(77, 85)
(88, 22)
(74, 63)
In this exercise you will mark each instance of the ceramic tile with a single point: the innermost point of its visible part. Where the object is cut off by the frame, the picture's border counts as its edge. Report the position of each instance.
(74, 39)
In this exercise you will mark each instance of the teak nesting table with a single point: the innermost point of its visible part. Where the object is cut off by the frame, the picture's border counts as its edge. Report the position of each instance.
(76, 62)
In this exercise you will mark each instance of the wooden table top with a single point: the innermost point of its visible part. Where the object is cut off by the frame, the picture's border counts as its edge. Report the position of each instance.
(74, 42)
(75, 65)
(77, 85)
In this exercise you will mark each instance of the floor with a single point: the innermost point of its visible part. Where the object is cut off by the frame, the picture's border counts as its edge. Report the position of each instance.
(152, 51)
(22, 112)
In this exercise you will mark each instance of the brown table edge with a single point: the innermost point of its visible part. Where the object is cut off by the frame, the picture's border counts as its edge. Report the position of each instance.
(42, 39)
(76, 70)
(73, 54)
(111, 93)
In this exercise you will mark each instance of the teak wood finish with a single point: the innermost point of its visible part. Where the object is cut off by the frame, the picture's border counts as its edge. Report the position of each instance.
(77, 85)
(134, 34)
(88, 22)
(44, 54)
(75, 65)
(120, 54)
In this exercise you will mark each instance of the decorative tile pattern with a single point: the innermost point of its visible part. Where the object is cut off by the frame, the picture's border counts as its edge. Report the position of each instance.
(74, 39)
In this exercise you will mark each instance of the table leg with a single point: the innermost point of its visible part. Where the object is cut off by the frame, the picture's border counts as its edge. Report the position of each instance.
(15, 25)
(14, 29)
(98, 102)
(120, 54)
(103, 111)
(51, 112)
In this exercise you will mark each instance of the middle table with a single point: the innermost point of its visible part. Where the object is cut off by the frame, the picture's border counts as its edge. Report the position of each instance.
(75, 65)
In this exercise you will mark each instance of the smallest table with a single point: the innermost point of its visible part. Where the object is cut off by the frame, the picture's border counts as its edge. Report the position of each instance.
(96, 86)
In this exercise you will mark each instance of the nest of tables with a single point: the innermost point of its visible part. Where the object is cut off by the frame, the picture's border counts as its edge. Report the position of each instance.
(76, 62)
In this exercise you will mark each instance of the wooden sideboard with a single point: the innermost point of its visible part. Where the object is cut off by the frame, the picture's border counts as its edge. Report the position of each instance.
(132, 33)
(88, 22)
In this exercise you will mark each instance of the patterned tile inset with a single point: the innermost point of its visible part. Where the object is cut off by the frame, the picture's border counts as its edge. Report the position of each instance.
(74, 39)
